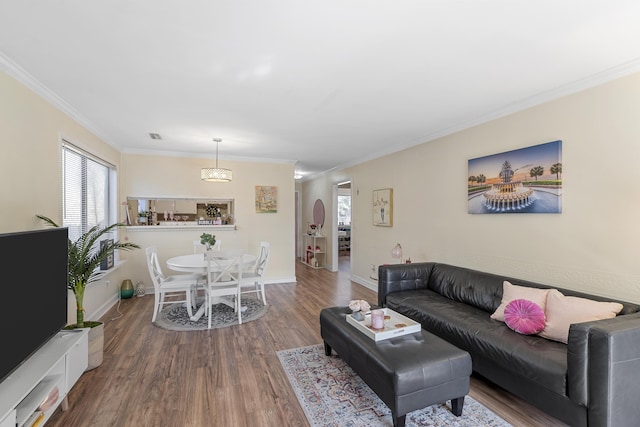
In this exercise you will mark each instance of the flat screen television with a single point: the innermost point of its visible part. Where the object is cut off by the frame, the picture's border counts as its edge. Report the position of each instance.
(33, 274)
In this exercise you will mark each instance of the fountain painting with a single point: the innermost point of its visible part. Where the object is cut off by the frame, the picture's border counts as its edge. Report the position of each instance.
(528, 180)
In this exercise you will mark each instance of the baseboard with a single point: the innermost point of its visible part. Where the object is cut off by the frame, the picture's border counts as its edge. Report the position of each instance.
(151, 291)
(104, 308)
(280, 280)
(367, 283)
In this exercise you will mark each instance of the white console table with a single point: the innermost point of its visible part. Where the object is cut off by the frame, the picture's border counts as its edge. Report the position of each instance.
(58, 363)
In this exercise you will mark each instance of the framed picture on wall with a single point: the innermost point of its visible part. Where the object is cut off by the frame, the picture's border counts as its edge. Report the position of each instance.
(266, 199)
(383, 207)
(526, 180)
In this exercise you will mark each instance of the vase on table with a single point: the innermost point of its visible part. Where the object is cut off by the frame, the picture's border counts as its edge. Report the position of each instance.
(358, 315)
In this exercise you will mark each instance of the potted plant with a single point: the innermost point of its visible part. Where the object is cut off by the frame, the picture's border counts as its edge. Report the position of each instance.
(208, 240)
(85, 255)
(143, 217)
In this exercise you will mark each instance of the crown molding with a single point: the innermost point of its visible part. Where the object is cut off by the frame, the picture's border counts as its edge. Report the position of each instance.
(193, 155)
(22, 76)
(588, 82)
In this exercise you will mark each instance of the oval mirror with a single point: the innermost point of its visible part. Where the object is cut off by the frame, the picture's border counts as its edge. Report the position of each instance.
(318, 213)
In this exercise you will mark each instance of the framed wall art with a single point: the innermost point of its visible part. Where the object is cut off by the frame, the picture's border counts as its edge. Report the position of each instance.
(266, 199)
(383, 207)
(527, 180)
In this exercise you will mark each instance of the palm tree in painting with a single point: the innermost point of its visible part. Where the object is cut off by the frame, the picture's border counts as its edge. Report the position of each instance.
(557, 169)
(536, 172)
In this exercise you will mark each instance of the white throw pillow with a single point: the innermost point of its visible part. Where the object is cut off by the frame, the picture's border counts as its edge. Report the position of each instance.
(513, 292)
(562, 311)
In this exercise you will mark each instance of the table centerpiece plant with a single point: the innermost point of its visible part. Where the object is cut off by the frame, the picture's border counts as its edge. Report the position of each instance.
(208, 240)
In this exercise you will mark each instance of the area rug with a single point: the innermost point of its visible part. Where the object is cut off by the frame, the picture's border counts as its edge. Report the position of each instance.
(332, 394)
(176, 318)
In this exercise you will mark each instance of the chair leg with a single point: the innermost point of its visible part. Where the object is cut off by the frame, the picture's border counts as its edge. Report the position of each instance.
(207, 308)
(189, 302)
(156, 305)
(239, 308)
(264, 297)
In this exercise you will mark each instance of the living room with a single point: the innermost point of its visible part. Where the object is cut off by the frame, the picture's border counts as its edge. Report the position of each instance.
(590, 246)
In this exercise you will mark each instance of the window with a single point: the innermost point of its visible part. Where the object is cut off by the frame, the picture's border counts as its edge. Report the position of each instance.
(344, 210)
(86, 190)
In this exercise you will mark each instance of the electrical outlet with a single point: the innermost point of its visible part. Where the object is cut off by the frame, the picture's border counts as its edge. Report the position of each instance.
(107, 283)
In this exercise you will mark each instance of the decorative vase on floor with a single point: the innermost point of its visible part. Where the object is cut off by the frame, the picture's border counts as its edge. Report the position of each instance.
(126, 289)
(140, 290)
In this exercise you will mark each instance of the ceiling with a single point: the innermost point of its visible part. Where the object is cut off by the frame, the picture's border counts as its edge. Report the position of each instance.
(324, 84)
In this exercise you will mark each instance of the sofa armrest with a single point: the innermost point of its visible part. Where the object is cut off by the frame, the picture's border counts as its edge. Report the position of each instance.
(614, 363)
(402, 277)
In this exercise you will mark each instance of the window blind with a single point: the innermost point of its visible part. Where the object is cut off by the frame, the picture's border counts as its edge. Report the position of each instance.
(85, 186)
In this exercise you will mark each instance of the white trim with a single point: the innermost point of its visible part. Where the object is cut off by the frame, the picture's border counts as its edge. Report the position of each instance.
(367, 283)
(546, 96)
(21, 75)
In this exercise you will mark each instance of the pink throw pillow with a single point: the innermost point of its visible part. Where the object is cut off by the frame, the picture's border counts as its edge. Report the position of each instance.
(524, 317)
(512, 292)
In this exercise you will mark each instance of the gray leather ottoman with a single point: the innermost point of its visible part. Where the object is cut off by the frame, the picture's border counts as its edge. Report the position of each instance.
(408, 373)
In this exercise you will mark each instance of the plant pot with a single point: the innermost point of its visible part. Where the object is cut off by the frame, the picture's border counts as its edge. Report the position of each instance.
(96, 342)
(96, 346)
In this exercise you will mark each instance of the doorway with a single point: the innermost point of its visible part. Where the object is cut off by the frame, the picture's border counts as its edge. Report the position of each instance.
(343, 214)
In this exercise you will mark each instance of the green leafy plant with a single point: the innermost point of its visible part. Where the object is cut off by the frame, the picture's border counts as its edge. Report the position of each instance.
(85, 256)
(207, 239)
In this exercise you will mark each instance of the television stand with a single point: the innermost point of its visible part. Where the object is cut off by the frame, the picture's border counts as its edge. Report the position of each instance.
(59, 363)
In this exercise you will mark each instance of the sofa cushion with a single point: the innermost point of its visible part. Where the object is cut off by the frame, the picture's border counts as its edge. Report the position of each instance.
(524, 317)
(540, 360)
(512, 292)
(562, 311)
(476, 288)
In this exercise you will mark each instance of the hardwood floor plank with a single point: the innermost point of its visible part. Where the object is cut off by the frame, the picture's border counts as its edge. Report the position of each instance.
(230, 376)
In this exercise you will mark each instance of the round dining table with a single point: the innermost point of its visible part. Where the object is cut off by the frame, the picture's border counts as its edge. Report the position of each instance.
(196, 263)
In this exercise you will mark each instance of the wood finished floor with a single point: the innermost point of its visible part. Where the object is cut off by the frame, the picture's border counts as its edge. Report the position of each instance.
(226, 377)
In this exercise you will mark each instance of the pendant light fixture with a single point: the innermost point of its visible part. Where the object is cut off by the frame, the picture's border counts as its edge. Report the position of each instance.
(216, 174)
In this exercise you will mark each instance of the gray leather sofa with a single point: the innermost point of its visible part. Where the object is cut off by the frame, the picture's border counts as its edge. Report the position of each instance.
(594, 380)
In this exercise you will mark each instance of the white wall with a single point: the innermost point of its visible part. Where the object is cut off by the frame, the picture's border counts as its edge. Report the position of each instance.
(159, 176)
(592, 246)
(31, 130)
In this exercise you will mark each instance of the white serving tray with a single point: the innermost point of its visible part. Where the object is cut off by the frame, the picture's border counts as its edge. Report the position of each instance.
(395, 325)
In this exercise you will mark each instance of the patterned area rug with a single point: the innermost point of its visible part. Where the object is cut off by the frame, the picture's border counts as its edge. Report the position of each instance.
(176, 318)
(332, 394)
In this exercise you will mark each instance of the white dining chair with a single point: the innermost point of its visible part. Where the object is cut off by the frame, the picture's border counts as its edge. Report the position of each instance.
(198, 247)
(170, 286)
(253, 279)
(224, 274)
